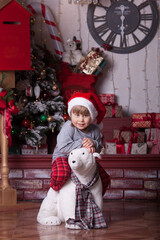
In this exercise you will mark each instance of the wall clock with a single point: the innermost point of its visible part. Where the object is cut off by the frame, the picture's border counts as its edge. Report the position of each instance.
(125, 26)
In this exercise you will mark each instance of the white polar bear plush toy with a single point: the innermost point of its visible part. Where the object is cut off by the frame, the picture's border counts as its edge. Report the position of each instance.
(72, 55)
(62, 206)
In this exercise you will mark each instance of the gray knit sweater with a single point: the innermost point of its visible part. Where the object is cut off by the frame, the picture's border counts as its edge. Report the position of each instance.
(70, 138)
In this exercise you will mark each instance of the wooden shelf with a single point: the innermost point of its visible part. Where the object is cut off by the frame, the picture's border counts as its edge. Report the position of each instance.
(107, 161)
(131, 161)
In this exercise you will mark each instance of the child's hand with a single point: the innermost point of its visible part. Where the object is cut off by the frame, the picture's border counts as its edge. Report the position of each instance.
(91, 149)
(87, 143)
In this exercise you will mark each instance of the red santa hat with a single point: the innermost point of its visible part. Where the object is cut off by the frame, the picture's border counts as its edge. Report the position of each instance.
(91, 102)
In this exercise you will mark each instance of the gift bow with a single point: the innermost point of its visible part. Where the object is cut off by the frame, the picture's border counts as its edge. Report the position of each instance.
(152, 117)
(134, 136)
(119, 146)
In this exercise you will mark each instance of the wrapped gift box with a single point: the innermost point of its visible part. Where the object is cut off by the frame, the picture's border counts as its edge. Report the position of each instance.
(101, 66)
(91, 63)
(137, 148)
(139, 137)
(105, 98)
(28, 150)
(153, 146)
(145, 120)
(114, 148)
(154, 133)
(153, 140)
(113, 110)
(110, 148)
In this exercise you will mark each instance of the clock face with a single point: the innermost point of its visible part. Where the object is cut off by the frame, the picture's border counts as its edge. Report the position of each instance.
(125, 26)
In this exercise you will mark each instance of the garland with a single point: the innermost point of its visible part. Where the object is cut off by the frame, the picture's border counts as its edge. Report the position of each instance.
(7, 107)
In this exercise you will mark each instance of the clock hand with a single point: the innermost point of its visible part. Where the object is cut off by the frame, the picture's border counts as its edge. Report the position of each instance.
(122, 9)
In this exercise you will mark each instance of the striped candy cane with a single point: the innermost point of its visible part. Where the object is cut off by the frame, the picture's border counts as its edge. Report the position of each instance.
(49, 20)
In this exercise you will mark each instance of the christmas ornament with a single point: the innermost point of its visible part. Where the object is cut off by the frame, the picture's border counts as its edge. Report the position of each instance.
(50, 119)
(26, 123)
(49, 20)
(54, 87)
(43, 118)
(44, 95)
(22, 84)
(31, 125)
(55, 93)
(37, 90)
(29, 91)
(13, 131)
(65, 117)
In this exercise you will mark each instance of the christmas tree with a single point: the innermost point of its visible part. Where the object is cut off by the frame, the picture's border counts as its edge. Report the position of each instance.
(37, 94)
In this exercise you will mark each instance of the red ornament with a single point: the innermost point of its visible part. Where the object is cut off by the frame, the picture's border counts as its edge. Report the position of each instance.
(45, 95)
(26, 123)
(65, 117)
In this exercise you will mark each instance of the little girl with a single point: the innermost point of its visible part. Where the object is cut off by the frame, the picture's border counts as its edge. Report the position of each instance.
(79, 131)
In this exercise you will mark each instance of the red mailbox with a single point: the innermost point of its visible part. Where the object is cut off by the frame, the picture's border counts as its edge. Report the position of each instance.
(14, 37)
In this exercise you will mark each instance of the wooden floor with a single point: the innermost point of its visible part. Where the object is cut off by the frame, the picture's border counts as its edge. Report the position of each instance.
(130, 220)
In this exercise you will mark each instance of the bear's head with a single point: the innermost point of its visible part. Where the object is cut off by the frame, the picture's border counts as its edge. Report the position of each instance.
(81, 159)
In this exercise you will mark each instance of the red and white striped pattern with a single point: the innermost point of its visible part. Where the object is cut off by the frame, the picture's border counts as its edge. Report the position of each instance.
(49, 19)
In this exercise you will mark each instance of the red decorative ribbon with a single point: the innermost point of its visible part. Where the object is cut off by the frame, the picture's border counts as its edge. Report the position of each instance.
(155, 142)
(134, 136)
(119, 146)
(7, 110)
(151, 117)
(94, 56)
(113, 107)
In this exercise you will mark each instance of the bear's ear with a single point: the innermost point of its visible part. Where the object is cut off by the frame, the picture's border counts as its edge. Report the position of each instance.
(97, 155)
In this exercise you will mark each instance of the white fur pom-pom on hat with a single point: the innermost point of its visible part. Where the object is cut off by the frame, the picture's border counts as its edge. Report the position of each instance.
(91, 102)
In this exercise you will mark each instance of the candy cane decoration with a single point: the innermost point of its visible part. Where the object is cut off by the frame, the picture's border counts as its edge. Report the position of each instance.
(49, 20)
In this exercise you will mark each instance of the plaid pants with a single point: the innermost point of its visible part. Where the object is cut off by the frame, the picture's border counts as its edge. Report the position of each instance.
(61, 172)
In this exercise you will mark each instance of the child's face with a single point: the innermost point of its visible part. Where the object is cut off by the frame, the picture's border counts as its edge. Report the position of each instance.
(80, 121)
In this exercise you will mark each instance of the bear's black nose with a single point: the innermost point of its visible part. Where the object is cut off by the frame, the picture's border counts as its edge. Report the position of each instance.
(73, 161)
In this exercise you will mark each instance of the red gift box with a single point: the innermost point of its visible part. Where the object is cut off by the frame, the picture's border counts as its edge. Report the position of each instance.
(105, 98)
(153, 137)
(113, 110)
(127, 133)
(145, 120)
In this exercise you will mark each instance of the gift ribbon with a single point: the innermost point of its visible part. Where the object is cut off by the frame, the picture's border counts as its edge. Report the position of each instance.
(90, 61)
(7, 111)
(133, 138)
(119, 146)
(151, 117)
(155, 141)
(120, 149)
(113, 105)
